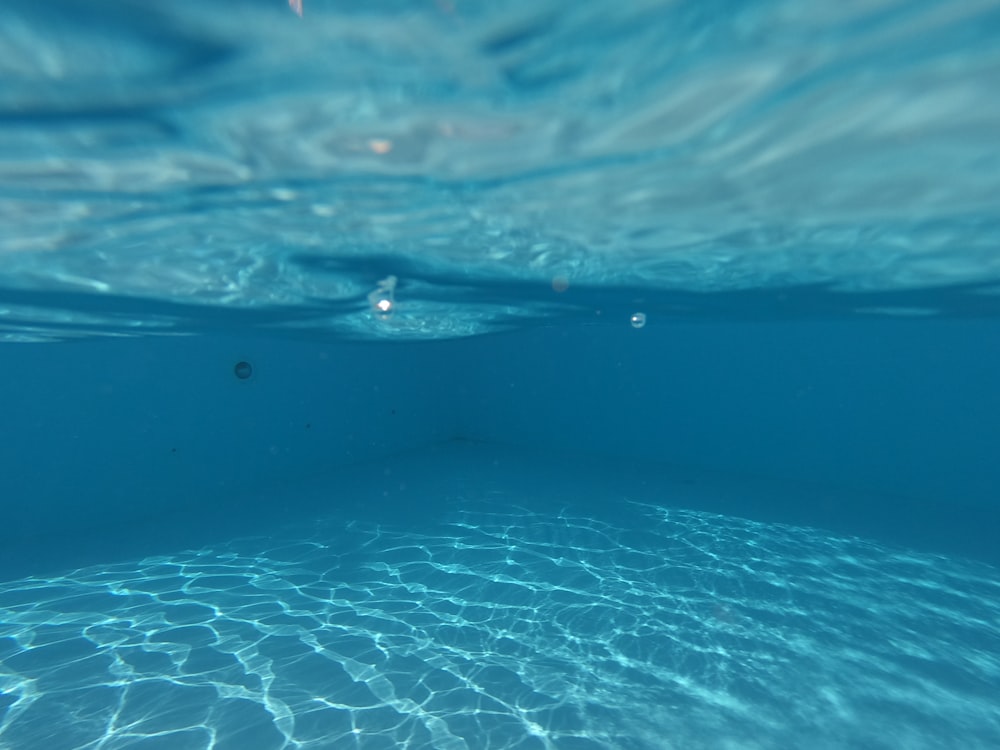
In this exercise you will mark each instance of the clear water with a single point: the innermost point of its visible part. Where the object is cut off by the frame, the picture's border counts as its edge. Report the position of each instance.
(614, 375)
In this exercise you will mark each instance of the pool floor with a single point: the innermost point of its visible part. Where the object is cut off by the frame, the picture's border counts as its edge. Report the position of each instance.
(491, 619)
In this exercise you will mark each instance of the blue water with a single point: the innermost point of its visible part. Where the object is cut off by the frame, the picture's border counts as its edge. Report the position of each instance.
(513, 375)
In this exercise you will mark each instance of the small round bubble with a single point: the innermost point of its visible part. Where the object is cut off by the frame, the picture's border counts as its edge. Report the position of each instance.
(560, 283)
(638, 319)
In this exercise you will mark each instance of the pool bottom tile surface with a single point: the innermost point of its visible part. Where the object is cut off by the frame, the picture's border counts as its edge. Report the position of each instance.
(502, 627)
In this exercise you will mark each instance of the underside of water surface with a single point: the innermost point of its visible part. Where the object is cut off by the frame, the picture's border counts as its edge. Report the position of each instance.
(165, 168)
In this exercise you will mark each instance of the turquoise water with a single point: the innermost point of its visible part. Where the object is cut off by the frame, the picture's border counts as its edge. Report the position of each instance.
(508, 375)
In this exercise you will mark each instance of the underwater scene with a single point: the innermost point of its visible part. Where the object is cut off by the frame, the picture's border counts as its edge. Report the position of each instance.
(499, 375)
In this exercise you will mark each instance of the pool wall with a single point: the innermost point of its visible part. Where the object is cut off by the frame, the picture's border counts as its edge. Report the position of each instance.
(902, 407)
(112, 437)
(101, 436)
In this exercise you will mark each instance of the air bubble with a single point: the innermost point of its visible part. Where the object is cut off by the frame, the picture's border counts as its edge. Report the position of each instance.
(383, 297)
(638, 319)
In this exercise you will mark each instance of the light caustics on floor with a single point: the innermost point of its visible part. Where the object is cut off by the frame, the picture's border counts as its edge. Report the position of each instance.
(509, 629)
